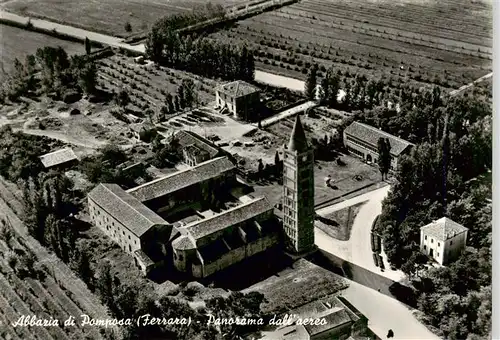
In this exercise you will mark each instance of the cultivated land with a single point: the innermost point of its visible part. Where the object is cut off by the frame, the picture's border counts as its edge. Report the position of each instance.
(18, 43)
(148, 84)
(53, 293)
(448, 43)
(109, 16)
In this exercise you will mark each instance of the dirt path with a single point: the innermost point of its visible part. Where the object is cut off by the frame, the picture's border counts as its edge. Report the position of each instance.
(279, 81)
(465, 87)
(89, 302)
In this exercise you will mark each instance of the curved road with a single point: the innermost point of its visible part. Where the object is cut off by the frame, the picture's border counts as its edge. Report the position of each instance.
(357, 249)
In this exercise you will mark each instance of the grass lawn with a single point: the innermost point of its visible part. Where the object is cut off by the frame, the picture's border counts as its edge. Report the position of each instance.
(338, 224)
(342, 177)
(302, 283)
(18, 43)
(108, 16)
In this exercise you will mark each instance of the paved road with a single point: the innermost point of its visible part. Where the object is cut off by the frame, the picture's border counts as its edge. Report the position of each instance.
(384, 313)
(358, 248)
(279, 81)
(73, 31)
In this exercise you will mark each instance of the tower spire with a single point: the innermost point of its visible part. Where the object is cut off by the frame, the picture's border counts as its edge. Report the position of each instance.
(298, 140)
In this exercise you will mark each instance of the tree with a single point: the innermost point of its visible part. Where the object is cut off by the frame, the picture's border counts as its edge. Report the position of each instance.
(177, 104)
(122, 99)
(104, 283)
(6, 231)
(82, 267)
(384, 156)
(260, 168)
(311, 82)
(87, 78)
(188, 92)
(88, 47)
(154, 45)
(169, 103)
(128, 27)
(277, 164)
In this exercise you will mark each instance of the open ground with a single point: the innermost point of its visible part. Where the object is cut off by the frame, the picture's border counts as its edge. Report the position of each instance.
(11, 38)
(447, 43)
(109, 16)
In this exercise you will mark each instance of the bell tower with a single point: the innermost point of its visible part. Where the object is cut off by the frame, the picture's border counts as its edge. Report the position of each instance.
(298, 192)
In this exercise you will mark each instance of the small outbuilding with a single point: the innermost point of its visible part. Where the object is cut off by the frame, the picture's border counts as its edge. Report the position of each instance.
(59, 159)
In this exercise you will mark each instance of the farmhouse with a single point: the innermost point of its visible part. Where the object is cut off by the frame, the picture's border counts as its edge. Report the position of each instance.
(240, 98)
(196, 149)
(362, 140)
(339, 320)
(60, 159)
(443, 240)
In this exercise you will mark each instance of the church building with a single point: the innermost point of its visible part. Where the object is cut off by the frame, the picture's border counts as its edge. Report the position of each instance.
(190, 220)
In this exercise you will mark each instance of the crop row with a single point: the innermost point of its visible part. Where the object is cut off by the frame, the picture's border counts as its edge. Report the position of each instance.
(389, 34)
(149, 86)
(29, 296)
(430, 22)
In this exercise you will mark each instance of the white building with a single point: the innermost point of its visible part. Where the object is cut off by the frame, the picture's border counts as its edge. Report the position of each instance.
(443, 240)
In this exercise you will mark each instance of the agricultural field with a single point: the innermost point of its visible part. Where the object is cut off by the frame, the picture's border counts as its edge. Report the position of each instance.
(109, 16)
(148, 85)
(447, 43)
(11, 37)
(30, 284)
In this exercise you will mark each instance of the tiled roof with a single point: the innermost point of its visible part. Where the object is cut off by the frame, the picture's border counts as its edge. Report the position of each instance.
(195, 150)
(141, 256)
(188, 138)
(183, 243)
(371, 135)
(58, 157)
(228, 218)
(129, 211)
(443, 229)
(298, 140)
(238, 88)
(182, 179)
(333, 319)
